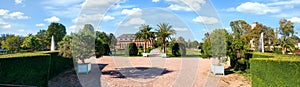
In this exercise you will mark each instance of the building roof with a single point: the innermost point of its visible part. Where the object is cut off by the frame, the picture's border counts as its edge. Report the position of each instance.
(126, 37)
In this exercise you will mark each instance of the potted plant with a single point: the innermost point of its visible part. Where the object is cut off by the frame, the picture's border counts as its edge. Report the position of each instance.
(83, 47)
(219, 49)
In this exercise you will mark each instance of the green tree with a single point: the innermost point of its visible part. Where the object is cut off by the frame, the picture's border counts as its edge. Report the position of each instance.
(64, 47)
(176, 50)
(12, 43)
(32, 42)
(113, 40)
(239, 44)
(218, 43)
(286, 30)
(164, 32)
(103, 37)
(42, 36)
(57, 30)
(132, 49)
(83, 43)
(206, 47)
(144, 34)
(99, 49)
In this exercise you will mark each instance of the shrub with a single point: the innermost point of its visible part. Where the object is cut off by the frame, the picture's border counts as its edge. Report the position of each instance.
(32, 68)
(274, 70)
(176, 50)
(106, 49)
(132, 49)
(148, 50)
(99, 48)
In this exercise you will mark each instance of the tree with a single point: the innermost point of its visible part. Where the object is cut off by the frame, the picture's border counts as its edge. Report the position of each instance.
(206, 47)
(286, 30)
(218, 43)
(113, 40)
(239, 44)
(103, 37)
(57, 30)
(83, 43)
(176, 49)
(99, 49)
(32, 42)
(132, 49)
(64, 47)
(42, 36)
(106, 49)
(12, 43)
(144, 34)
(164, 32)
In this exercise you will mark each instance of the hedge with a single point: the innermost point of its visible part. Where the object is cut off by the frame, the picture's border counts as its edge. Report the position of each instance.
(274, 70)
(33, 69)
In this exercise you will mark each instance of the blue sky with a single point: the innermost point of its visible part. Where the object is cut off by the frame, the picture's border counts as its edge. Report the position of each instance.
(190, 18)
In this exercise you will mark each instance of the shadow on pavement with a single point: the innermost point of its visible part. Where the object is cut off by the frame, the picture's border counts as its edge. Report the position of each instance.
(136, 72)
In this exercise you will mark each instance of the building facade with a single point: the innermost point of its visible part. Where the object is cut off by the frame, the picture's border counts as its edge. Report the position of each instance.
(124, 40)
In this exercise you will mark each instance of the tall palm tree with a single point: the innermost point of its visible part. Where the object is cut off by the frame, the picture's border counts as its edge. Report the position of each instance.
(164, 32)
(144, 34)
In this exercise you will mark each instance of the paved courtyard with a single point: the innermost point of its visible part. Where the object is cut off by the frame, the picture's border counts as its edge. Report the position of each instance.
(155, 72)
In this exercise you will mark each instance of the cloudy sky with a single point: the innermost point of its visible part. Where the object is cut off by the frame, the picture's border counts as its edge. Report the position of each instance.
(190, 18)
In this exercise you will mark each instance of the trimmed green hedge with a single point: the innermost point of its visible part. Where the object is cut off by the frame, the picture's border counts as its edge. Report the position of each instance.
(274, 70)
(32, 68)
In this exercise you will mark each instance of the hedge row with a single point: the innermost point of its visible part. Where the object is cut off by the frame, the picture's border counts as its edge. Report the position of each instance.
(33, 69)
(273, 70)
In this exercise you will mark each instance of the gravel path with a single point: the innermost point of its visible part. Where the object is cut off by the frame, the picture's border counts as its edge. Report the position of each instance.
(153, 72)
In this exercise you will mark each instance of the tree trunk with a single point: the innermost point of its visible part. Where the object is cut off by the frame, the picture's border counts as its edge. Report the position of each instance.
(164, 45)
(145, 45)
(283, 50)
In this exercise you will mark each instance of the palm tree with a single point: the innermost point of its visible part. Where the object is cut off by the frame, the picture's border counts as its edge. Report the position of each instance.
(144, 34)
(164, 32)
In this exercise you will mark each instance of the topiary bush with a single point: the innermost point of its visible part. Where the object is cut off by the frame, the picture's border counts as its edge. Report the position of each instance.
(176, 50)
(132, 49)
(106, 49)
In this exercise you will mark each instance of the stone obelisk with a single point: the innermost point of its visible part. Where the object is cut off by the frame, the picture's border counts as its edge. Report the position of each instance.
(52, 44)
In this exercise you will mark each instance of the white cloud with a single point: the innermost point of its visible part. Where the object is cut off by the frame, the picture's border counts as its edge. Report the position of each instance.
(206, 20)
(6, 14)
(107, 18)
(295, 19)
(256, 8)
(178, 7)
(180, 29)
(185, 5)
(91, 18)
(155, 0)
(4, 25)
(18, 1)
(133, 21)
(135, 11)
(21, 30)
(52, 19)
(40, 25)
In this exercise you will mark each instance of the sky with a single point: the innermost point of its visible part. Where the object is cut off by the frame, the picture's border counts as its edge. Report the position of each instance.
(190, 18)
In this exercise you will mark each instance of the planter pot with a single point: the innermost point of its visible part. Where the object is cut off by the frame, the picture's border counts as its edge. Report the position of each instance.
(145, 54)
(163, 55)
(84, 68)
(217, 69)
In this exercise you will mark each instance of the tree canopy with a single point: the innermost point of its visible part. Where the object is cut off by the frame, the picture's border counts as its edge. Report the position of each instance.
(57, 30)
